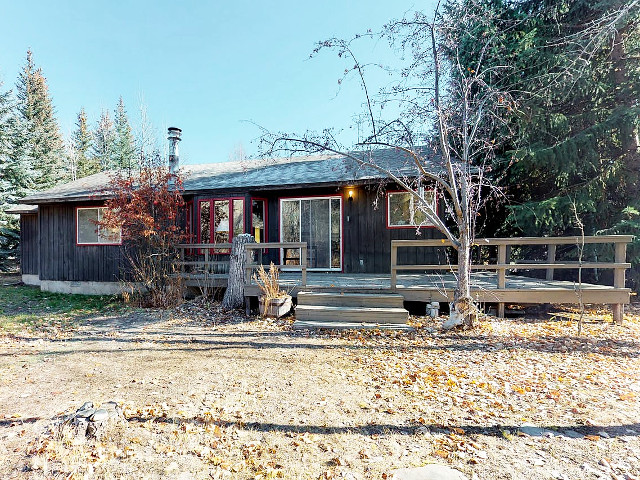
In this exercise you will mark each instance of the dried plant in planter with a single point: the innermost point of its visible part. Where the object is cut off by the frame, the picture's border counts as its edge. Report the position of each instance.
(273, 300)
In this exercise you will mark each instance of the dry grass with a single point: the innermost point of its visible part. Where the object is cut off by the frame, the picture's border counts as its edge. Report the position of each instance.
(268, 282)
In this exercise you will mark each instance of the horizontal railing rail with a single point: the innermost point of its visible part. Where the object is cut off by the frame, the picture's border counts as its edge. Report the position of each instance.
(259, 248)
(502, 265)
(209, 267)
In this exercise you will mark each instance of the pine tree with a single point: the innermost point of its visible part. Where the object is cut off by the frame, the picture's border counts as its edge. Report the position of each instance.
(573, 139)
(40, 139)
(123, 155)
(103, 141)
(15, 176)
(81, 143)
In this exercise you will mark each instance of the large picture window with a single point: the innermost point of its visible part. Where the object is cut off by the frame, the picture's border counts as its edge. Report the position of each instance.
(88, 230)
(220, 220)
(403, 210)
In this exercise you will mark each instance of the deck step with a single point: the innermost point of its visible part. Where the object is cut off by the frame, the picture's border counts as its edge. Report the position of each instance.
(352, 314)
(331, 299)
(340, 325)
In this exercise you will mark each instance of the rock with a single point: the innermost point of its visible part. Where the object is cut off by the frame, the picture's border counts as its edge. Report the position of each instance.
(85, 406)
(85, 413)
(95, 429)
(455, 320)
(80, 427)
(428, 472)
(534, 431)
(572, 434)
(100, 415)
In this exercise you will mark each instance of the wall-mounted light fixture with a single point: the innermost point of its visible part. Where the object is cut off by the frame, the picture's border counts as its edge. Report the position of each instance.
(350, 193)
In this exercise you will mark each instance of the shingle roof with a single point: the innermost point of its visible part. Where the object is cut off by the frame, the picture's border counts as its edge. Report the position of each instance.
(16, 209)
(279, 173)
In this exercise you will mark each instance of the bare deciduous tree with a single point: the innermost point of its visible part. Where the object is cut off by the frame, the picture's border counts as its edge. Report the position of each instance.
(447, 106)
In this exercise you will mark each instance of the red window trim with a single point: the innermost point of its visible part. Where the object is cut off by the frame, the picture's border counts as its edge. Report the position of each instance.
(211, 210)
(266, 217)
(92, 244)
(395, 227)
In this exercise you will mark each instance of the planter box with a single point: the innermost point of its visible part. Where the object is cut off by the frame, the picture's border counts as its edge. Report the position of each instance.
(277, 307)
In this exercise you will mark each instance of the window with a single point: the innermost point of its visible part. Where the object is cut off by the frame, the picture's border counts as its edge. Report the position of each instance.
(88, 232)
(403, 210)
(220, 220)
(317, 221)
(259, 219)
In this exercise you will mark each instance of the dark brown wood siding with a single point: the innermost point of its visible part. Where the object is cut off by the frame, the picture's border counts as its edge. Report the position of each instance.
(61, 259)
(366, 240)
(29, 244)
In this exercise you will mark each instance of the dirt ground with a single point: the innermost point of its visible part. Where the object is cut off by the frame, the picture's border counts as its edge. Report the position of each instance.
(213, 395)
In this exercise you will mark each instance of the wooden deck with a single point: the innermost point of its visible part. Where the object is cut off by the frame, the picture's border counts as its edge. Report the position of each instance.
(499, 278)
(440, 287)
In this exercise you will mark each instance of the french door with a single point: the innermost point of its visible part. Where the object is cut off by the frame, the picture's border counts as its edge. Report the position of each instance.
(317, 221)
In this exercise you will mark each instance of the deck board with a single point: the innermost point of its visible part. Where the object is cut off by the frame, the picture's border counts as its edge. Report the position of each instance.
(440, 287)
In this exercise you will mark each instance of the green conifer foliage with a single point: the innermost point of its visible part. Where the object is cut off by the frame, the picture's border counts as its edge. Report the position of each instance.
(574, 69)
(16, 176)
(40, 136)
(124, 150)
(82, 141)
(104, 141)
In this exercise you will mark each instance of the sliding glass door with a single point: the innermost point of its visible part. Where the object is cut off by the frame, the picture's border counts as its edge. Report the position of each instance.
(317, 221)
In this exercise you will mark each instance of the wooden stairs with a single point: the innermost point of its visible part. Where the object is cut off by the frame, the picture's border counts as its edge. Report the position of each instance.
(351, 311)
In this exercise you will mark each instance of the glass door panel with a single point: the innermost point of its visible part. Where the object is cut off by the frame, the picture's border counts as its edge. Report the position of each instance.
(316, 221)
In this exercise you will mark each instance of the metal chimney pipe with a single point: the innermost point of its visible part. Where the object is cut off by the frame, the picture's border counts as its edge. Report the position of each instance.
(174, 157)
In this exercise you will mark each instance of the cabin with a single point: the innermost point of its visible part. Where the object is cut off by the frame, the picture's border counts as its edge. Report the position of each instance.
(330, 223)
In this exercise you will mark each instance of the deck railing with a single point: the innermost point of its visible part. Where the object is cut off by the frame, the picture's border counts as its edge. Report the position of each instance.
(503, 263)
(255, 260)
(201, 260)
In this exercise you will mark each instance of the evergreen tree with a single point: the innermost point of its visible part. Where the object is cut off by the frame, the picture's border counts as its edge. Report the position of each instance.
(15, 176)
(104, 141)
(124, 150)
(573, 138)
(81, 143)
(40, 139)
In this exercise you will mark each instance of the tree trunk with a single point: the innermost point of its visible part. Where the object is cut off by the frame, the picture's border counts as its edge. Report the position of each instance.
(234, 295)
(464, 311)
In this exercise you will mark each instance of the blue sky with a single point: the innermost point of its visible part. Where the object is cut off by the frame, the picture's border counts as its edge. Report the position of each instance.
(210, 68)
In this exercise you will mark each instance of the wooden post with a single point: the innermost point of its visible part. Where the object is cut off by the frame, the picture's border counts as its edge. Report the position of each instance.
(303, 264)
(619, 279)
(502, 277)
(551, 258)
(394, 264)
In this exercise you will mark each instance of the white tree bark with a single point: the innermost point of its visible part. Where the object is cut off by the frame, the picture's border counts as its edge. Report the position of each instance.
(234, 295)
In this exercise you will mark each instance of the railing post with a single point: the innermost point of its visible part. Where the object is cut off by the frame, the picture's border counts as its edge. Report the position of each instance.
(303, 264)
(247, 266)
(551, 258)
(619, 279)
(394, 265)
(206, 263)
(502, 275)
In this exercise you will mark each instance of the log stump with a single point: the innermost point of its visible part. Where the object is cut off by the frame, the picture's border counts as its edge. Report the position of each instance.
(234, 295)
